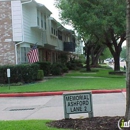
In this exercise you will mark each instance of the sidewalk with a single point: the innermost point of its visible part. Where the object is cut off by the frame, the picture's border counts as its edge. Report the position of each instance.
(51, 107)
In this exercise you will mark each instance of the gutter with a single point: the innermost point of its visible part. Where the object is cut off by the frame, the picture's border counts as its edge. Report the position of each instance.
(27, 2)
(16, 56)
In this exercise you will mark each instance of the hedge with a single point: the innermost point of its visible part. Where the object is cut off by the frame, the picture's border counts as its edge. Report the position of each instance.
(24, 73)
(45, 66)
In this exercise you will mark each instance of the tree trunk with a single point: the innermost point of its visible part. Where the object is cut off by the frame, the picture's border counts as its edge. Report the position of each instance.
(95, 58)
(117, 63)
(114, 46)
(116, 56)
(88, 60)
(127, 114)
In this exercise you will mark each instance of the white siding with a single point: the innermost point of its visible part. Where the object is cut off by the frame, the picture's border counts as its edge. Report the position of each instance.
(52, 39)
(16, 20)
(31, 35)
(60, 45)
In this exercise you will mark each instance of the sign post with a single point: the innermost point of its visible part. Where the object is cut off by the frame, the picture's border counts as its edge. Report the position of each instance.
(78, 103)
(8, 76)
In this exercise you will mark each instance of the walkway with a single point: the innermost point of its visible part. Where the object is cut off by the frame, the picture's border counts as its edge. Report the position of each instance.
(51, 107)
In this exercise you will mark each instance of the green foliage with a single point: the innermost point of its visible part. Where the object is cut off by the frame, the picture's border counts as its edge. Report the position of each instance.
(64, 69)
(97, 20)
(123, 52)
(106, 54)
(56, 69)
(74, 64)
(40, 75)
(45, 66)
(82, 58)
(88, 16)
(63, 58)
(24, 73)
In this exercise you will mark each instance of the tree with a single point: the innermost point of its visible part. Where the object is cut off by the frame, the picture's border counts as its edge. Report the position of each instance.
(104, 19)
(127, 114)
(106, 54)
(92, 51)
(123, 52)
(87, 50)
(96, 52)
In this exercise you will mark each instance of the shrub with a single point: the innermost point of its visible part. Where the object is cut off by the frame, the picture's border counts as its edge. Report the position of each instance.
(56, 69)
(3, 74)
(24, 73)
(65, 69)
(40, 75)
(63, 58)
(45, 66)
(71, 66)
(74, 64)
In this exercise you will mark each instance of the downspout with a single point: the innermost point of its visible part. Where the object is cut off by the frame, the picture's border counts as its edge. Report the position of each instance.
(16, 56)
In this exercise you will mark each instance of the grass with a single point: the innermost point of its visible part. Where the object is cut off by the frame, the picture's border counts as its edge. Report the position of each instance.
(88, 81)
(26, 125)
(100, 72)
(94, 80)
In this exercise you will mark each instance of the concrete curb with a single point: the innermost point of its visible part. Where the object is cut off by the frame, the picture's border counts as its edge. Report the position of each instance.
(56, 93)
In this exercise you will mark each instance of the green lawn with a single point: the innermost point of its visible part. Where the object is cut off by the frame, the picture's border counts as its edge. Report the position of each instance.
(96, 72)
(89, 81)
(26, 125)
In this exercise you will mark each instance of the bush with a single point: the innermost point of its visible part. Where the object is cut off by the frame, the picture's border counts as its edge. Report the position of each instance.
(3, 74)
(74, 64)
(71, 65)
(24, 73)
(56, 69)
(40, 75)
(63, 58)
(65, 69)
(45, 66)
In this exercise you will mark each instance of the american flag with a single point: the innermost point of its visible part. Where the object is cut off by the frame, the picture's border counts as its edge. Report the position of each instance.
(33, 54)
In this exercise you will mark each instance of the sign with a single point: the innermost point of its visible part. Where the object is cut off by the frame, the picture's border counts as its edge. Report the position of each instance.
(78, 103)
(8, 73)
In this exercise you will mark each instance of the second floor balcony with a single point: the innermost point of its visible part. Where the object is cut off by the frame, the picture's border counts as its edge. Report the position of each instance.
(69, 46)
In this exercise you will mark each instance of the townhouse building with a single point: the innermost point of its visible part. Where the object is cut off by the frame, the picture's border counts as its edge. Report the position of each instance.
(24, 23)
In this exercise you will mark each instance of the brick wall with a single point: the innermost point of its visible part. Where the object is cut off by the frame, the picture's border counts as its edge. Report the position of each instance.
(7, 46)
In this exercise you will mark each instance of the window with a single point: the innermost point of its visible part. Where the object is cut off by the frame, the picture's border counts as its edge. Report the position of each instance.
(24, 51)
(52, 30)
(59, 34)
(41, 23)
(45, 25)
(45, 22)
(68, 39)
(41, 20)
(56, 33)
(38, 21)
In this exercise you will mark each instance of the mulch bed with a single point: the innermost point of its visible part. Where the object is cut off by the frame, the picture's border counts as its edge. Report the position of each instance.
(95, 123)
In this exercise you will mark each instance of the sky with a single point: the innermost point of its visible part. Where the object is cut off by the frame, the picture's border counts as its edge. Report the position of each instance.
(55, 13)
